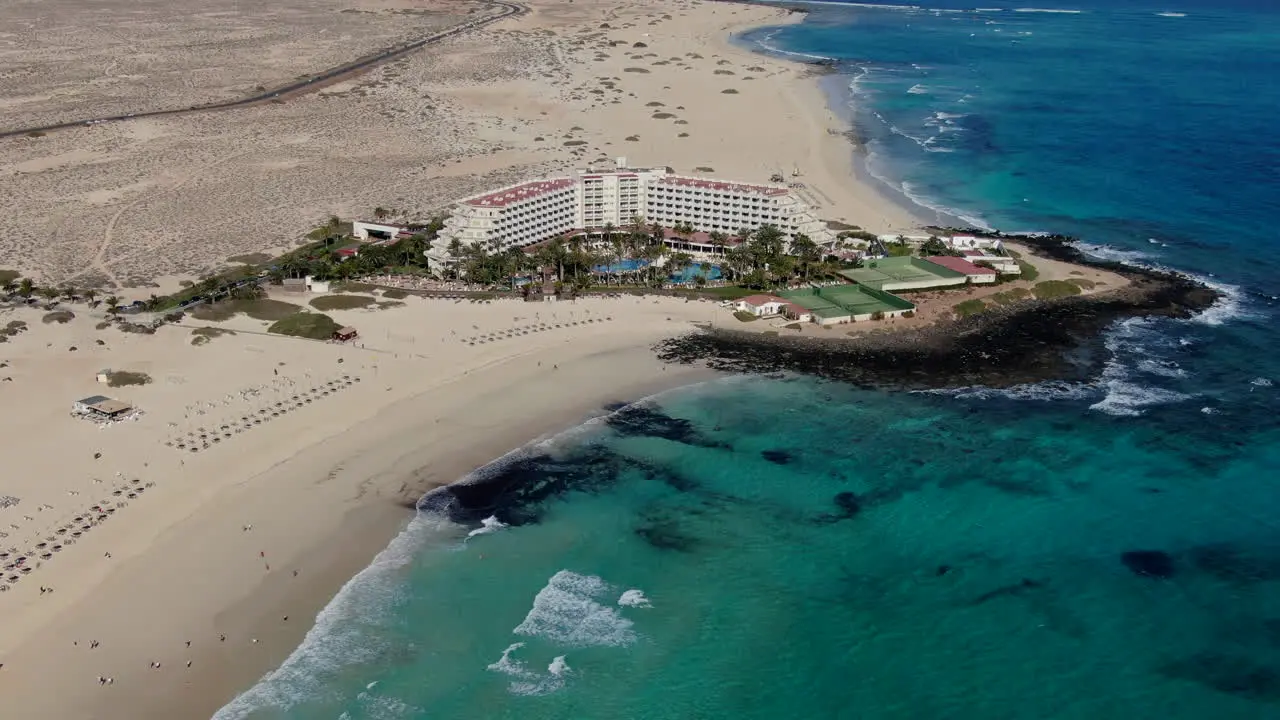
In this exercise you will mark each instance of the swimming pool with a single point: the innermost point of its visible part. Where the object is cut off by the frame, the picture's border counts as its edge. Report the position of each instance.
(707, 271)
(628, 265)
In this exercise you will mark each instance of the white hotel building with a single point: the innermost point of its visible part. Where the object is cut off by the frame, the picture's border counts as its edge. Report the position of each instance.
(521, 215)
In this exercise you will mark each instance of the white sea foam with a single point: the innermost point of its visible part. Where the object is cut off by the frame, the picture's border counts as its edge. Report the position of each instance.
(1261, 382)
(917, 90)
(334, 641)
(1106, 252)
(567, 613)
(1131, 399)
(488, 525)
(1046, 391)
(766, 42)
(1163, 368)
(1048, 10)
(1126, 394)
(1209, 411)
(525, 681)
(558, 666)
(1171, 14)
(908, 189)
(508, 665)
(1230, 305)
(634, 598)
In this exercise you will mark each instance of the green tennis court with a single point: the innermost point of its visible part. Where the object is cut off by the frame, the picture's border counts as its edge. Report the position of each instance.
(903, 273)
(841, 300)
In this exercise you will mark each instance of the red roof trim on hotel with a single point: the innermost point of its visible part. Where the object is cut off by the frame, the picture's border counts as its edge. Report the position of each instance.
(502, 198)
(759, 300)
(959, 265)
(722, 186)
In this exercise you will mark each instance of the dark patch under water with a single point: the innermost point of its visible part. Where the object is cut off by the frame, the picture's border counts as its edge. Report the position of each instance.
(847, 506)
(1235, 564)
(1149, 563)
(515, 491)
(777, 457)
(646, 421)
(1229, 674)
(1018, 588)
(662, 530)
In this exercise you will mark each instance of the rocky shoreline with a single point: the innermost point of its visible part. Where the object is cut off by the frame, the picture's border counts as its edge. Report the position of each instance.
(1028, 342)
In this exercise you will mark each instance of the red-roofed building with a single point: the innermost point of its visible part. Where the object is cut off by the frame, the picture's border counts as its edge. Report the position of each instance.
(532, 212)
(1003, 265)
(976, 273)
(761, 305)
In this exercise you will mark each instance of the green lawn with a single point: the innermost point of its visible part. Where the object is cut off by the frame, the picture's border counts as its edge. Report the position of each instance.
(1054, 289)
(1029, 271)
(315, 326)
(969, 307)
(1011, 295)
(264, 309)
(342, 302)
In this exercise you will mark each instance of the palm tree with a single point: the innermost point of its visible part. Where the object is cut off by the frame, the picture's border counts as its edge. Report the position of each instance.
(48, 293)
(380, 213)
(718, 241)
(677, 262)
(90, 295)
(68, 292)
(806, 251)
(10, 287)
(113, 304)
(26, 287)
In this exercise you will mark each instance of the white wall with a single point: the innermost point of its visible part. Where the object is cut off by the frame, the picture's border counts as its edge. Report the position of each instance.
(360, 229)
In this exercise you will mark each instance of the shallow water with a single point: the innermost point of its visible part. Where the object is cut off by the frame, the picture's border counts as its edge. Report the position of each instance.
(765, 548)
(792, 548)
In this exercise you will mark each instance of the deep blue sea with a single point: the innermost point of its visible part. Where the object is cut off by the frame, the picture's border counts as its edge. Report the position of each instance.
(794, 548)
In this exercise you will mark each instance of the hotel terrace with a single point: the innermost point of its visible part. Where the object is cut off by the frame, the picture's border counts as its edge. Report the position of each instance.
(532, 212)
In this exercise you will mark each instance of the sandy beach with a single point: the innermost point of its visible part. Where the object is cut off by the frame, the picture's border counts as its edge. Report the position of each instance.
(206, 543)
(314, 450)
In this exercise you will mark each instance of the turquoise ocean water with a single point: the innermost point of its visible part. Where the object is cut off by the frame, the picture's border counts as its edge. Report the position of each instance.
(793, 548)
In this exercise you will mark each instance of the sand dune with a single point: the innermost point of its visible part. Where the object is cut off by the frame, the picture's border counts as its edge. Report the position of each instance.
(154, 201)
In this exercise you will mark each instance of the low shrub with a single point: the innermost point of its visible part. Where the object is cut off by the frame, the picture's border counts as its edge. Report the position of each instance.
(121, 378)
(1029, 271)
(745, 316)
(969, 307)
(342, 302)
(315, 326)
(1054, 289)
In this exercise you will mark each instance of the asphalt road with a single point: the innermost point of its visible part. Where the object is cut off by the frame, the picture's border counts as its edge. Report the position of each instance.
(300, 87)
